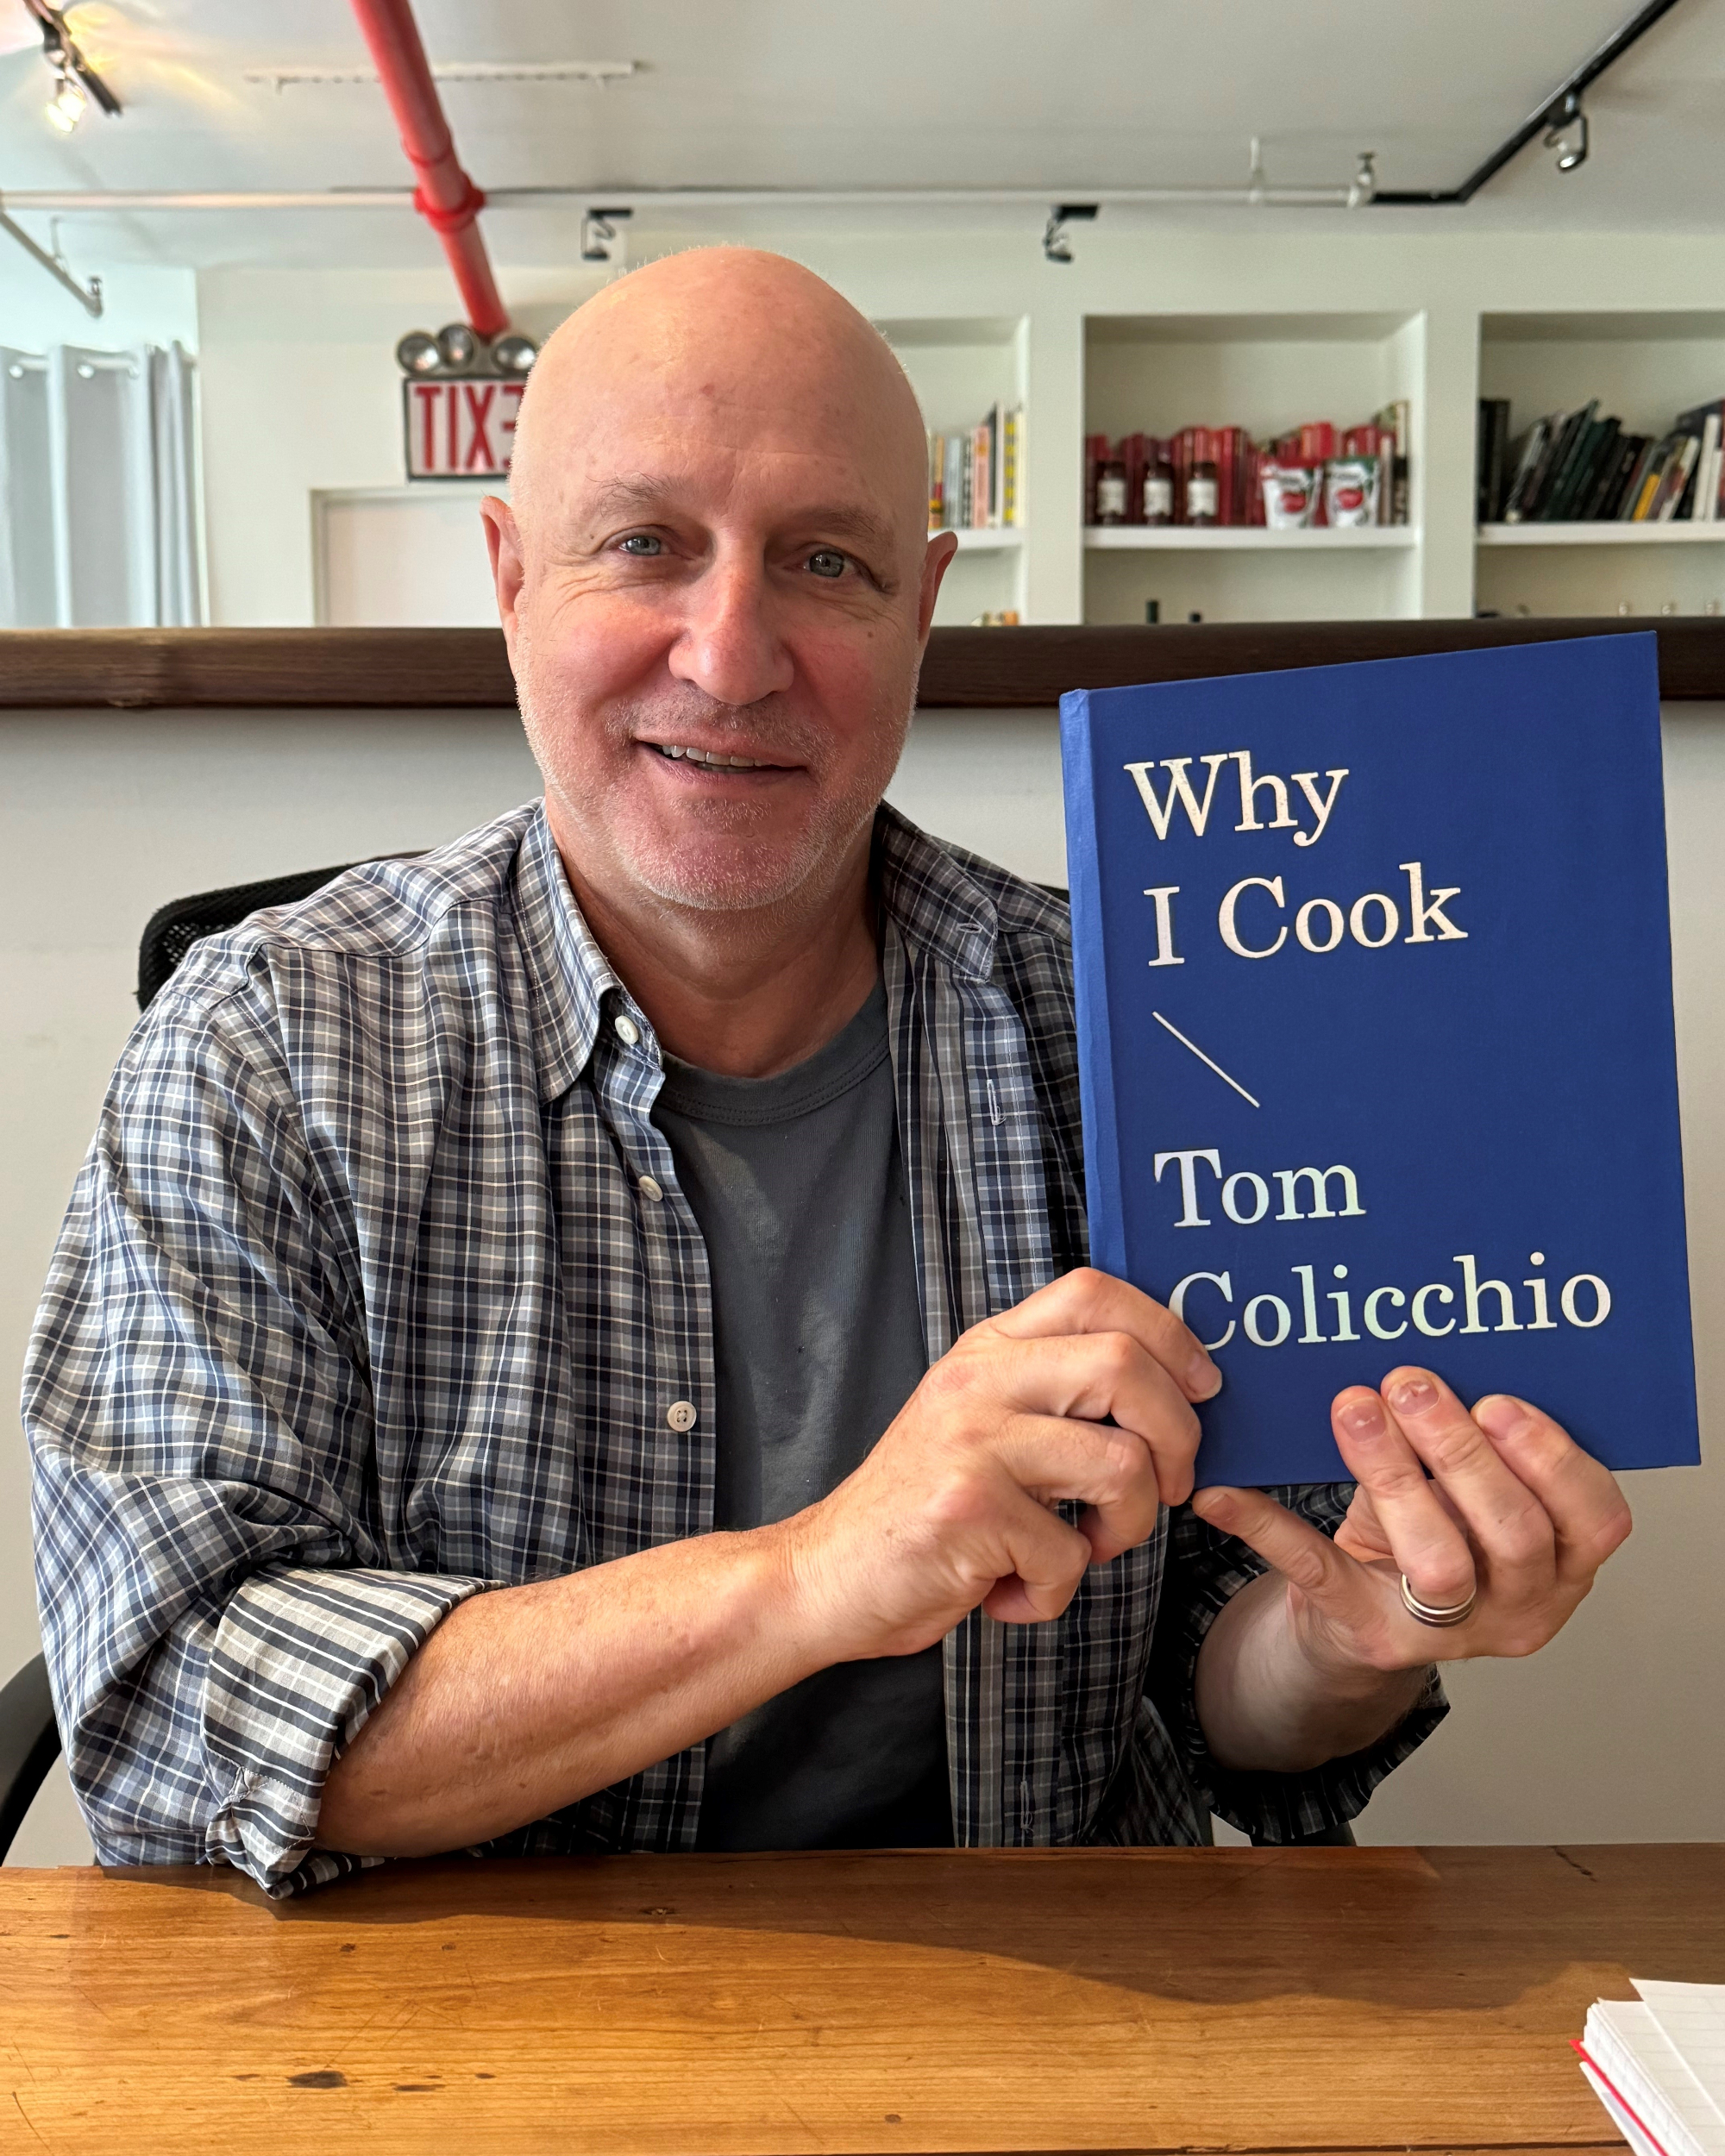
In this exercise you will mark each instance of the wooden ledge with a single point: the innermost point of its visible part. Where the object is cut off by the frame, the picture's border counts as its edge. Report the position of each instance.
(975, 669)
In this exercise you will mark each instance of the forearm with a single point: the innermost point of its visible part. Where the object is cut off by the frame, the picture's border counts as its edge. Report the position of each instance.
(527, 1699)
(1267, 1703)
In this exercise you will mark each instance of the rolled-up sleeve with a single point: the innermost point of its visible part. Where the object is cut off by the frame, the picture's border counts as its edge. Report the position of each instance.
(217, 1608)
(1205, 1570)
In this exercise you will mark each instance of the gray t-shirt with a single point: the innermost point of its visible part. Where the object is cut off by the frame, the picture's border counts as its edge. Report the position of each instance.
(799, 1188)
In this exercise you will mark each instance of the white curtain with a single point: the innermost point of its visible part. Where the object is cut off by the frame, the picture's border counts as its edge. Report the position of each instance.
(98, 507)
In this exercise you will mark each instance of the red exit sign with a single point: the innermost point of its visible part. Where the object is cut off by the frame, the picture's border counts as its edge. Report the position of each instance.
(462, 428)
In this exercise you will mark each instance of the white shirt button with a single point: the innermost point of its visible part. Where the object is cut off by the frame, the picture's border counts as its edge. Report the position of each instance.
(650, 1187)
(681, 1414)
(625, 1028)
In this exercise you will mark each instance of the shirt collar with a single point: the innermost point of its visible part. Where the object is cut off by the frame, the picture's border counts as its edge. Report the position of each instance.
(924, 890)
(570, 976)
(929, 893)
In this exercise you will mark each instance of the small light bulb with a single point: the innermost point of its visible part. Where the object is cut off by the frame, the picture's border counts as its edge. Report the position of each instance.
(67, 107)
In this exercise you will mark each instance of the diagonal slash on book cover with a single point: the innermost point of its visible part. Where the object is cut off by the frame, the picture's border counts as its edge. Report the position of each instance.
(1203, 1058)
(1429, 895)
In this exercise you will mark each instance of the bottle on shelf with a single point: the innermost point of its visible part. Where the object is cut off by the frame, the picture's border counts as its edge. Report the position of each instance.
(1203, 492)
(1158, 488)
(1152, 612)
(1111, 492)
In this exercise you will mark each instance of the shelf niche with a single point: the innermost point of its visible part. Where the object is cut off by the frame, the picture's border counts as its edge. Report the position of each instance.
(959, 366)
(1266, 372)
(1644, 368)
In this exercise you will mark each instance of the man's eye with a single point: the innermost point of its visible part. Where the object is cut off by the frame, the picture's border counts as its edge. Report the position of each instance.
(824, 562)
(643, 544)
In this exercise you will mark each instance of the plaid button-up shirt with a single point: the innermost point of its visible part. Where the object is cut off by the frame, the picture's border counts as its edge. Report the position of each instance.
(357, 1311)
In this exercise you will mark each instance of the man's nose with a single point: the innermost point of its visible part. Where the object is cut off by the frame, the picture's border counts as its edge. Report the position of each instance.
(730, 648)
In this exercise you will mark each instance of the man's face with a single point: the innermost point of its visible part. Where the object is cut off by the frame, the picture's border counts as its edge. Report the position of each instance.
(716, 607)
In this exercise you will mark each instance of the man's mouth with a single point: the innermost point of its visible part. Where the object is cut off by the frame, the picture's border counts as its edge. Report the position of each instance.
(716, 759)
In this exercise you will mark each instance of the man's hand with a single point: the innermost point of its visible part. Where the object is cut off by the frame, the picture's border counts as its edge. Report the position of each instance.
(1500, 1504)
(1082, 1394)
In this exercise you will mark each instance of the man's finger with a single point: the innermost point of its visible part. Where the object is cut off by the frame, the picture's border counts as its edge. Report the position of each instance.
(1424, 1539)
(1587, 1509)
(1095, 1376)
(1049, 1558)
(1088, 1302)
(1089, 1464)
(1339, 1588)
(1508, 1528)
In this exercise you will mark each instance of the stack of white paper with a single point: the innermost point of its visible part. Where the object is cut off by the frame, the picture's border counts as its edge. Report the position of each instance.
(1658, 2067)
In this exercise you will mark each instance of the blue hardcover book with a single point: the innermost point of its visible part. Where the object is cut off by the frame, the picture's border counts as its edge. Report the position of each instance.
(1374, 1038)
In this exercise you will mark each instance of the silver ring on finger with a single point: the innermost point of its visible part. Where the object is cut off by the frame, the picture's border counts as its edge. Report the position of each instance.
(1434, 1614)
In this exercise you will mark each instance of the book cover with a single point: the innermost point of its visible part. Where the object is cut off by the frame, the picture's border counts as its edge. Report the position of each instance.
(1376, 1043)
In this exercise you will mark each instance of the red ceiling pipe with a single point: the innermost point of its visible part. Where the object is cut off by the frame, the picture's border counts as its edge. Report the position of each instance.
(445, 197)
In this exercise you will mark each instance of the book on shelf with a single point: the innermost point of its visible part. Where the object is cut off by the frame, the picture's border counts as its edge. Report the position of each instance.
(975, 476)
(1492, 445)
(1309, 911)
(1580, 466)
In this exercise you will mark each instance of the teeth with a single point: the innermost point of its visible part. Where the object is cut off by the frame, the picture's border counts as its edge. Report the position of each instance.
(701, 756)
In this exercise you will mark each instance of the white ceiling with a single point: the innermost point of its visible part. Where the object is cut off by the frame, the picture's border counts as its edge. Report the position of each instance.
(898, 92)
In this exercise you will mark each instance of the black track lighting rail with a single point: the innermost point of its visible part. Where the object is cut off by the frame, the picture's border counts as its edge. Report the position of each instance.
(1563, 105)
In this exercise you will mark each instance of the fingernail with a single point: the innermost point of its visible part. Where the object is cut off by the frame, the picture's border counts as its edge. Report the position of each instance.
(1501, 1414)
(1203, 1379)
(1216, 1504)
(1363, 1417)
(1413, 1396)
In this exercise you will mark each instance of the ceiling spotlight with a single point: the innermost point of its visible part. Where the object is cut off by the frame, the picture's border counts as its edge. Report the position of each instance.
(1056, 246)
(1566, 132)
(598, 233)
(512, 353)
(458, 345)
(418, 354)
(76, 82)
(67, 106)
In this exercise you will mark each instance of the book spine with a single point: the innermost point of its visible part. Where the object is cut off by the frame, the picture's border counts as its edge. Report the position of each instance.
(1706, 506)
(1678, 478)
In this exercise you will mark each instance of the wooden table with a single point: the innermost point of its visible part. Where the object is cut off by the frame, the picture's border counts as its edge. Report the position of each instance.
(1301, 1999)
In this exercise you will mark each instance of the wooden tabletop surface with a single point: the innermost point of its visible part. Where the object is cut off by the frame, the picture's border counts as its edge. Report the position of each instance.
(1290, 2001)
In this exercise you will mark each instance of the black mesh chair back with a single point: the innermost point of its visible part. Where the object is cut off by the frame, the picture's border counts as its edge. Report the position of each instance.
(172, 929)
(29, 1745)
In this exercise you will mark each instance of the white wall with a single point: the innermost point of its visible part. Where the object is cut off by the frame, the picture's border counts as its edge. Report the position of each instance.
(1617, 1732)
(301, 390)
(138, 306)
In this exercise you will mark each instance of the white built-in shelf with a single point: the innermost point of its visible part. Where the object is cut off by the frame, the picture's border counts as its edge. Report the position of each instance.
(1607, 533)
(1223, 538)
(993, 539)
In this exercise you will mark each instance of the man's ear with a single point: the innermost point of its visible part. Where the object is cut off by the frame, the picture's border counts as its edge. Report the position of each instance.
(941, 549)
(502, 544)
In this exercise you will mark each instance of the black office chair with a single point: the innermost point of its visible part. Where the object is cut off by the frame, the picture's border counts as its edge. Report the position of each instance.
(29, 1745)
(172, 929)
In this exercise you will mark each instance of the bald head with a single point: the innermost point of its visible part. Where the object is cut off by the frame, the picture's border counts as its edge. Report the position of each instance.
(716, 581)
(726, 340)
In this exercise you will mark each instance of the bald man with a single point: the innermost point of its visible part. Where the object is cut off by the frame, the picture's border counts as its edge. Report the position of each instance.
(581, 1341)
